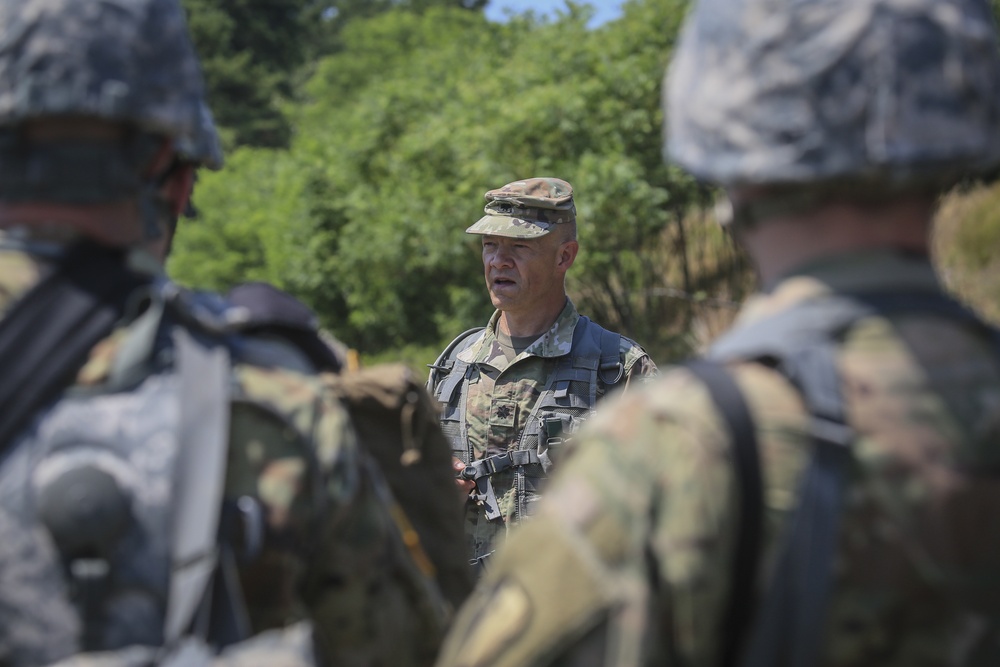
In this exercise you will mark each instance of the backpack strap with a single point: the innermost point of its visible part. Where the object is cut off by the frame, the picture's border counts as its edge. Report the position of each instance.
(790, 622)
(48, 334)
(445, 362)
(729, 400)
(802, 344)
(446, 375)
(199, 478)
(611, 369)
(262, 308)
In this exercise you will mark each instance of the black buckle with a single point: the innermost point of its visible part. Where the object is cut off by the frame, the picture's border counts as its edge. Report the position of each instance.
(621, 372)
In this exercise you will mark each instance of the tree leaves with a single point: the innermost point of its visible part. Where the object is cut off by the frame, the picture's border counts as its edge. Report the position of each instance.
(399, 131)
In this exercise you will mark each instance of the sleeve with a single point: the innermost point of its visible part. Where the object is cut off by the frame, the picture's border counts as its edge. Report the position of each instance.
(627, 534)
(639, 366)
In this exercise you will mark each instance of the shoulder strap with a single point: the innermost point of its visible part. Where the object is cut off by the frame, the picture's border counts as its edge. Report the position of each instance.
(790, 622)
(263, 308)
(47, 335)
(599, 346)
(446, 360)
(199, 476)
(802, 344)
(729, 400)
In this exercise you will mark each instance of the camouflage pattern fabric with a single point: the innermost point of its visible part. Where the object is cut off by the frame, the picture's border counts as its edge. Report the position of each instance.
(120, 60)
(904, 92)
(526, 209)
(499, 401)
(628, 560)
(332, 553)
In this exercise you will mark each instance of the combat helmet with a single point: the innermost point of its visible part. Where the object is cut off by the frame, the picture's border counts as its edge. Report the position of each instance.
(117, 60)
(901, 93)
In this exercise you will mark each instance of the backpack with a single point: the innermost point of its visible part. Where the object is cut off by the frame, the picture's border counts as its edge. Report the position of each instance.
(127, 525)
(785, 627)
(397, 425)
(189, 554)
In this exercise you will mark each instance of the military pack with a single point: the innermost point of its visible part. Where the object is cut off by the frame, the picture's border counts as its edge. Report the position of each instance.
(784, 626)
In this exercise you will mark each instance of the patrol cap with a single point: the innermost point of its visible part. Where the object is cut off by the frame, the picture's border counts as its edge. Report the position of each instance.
(126, 61)
(904, 93)
(526, 209)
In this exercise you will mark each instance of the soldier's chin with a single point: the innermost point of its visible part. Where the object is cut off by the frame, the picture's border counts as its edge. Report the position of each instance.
(500, 301)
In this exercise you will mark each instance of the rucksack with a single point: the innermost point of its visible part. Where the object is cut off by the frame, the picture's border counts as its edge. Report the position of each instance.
(96, 494)
(785, 627)
(78, 304)
(396, 423)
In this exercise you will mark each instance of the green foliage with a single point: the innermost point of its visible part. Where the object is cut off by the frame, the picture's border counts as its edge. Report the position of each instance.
(418, 111)
(249, 52)
(967, 232)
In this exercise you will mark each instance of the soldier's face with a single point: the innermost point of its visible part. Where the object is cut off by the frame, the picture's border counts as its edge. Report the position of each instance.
(521, 274)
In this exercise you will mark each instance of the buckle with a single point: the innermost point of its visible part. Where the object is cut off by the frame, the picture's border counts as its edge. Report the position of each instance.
(621, 372)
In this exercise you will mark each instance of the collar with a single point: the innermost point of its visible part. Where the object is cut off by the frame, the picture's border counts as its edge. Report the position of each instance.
(555, 342)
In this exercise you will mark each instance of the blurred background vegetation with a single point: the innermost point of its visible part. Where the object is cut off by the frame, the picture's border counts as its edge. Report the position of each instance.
(362, 134)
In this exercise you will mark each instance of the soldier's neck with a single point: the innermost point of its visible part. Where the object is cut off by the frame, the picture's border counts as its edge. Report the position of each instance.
(534, 322)
(780, 245)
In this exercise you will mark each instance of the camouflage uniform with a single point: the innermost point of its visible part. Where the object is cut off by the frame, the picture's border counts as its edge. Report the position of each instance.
(629, 560)
(331, 577)
(499, 397)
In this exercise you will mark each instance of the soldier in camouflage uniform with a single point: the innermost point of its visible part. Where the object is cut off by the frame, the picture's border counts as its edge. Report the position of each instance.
(134, 410)
(513, 392)
(833, 126)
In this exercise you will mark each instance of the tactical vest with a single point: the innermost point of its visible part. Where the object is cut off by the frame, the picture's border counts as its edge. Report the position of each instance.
(592, 367)
(118, 489)
(785, 626)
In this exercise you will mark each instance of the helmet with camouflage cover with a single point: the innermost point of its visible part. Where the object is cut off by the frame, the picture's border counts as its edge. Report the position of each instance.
(900, 93)
(127, 61)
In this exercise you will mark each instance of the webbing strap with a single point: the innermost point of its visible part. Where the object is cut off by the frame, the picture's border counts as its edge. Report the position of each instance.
(446, 360)
(198, 478)
(491, 465)
(792, 616)
(802, 343)
(611, 369)
(729, 400)
(47, 335)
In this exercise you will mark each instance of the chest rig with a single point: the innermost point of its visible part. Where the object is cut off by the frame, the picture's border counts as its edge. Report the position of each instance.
(591, 368)
(121, 484)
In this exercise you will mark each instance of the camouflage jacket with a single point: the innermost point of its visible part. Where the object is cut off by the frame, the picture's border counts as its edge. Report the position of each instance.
(499, 399)
(630, 554)
(332, 557)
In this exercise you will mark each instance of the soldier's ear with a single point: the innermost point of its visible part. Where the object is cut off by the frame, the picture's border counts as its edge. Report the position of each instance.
(178, 187)
(567, 254)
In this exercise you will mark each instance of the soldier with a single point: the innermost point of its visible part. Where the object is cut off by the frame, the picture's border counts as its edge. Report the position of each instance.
(169, 488)
(513, 392)
(823, 489)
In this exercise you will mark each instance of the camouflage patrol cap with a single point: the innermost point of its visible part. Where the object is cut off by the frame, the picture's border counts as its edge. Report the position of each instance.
(901, 92)
(526, 209)
(117, 60)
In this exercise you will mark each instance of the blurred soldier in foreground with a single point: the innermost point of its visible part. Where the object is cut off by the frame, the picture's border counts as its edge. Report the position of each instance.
(172, 491)
(823, 489)
(512, 393)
